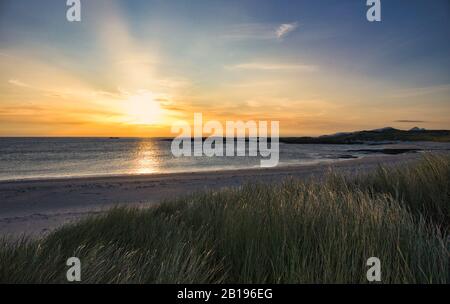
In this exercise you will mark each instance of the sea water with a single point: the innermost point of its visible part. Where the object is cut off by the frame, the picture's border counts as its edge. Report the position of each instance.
(36, 158)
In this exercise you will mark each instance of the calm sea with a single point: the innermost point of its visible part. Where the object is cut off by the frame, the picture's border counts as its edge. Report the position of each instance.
(29, 158)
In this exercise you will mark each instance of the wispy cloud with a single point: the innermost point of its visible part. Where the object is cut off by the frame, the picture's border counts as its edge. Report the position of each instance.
(249, 31)
(272, 67)
(410, 121)
(18, 83)
(2, 54)
(414, 92)
(259, 31)
(285, 29)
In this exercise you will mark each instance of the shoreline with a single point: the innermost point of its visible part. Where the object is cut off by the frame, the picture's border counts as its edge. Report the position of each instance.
(35, 207)
(94, 177)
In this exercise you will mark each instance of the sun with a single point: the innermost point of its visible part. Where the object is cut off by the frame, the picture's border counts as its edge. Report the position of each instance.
(143, 109)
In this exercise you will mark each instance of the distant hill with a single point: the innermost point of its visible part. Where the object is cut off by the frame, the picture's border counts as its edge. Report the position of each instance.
(377, 135)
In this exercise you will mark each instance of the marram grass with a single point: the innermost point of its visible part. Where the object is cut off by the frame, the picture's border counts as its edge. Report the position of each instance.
(293, 232)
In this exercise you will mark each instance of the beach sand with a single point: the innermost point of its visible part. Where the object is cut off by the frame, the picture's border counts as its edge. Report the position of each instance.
(35, 207)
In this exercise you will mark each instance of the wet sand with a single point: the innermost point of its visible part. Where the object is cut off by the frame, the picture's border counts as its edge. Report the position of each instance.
(35, 207)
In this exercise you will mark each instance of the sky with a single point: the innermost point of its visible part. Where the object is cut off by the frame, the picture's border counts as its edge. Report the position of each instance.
(134, 68)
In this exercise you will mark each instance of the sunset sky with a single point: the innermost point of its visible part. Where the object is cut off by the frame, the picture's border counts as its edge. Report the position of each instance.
(133, 68)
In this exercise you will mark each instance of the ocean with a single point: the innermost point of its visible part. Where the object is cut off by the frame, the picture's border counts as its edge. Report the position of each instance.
(40, 158)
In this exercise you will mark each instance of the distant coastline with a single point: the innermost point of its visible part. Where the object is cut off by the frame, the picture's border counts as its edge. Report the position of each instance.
(384, 136)
(380, 135)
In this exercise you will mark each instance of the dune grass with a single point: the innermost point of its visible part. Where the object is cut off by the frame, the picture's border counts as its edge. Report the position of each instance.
(289, 232)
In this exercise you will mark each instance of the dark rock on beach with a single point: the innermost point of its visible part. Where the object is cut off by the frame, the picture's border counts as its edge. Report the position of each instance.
(386, 151)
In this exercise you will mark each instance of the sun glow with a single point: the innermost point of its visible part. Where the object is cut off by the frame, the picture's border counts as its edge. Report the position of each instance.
(143, 109)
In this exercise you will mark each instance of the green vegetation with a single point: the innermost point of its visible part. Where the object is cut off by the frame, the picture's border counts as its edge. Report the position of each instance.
(289, 232)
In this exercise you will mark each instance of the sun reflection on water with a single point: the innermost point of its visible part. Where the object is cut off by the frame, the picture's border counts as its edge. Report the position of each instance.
(147, 159)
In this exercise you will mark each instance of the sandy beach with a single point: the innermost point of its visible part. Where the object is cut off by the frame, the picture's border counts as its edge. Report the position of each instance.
(35, 207)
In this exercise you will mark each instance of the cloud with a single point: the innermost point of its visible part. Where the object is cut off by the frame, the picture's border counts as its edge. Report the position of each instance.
(410, 121)
(18, 83)
(3, 54)
(414, 92)
(272, 67)
(285, 29)
(259, 31)
(246, 31)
